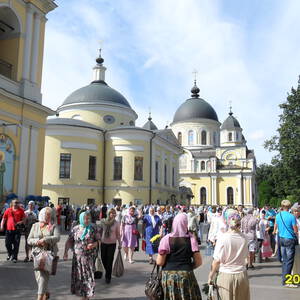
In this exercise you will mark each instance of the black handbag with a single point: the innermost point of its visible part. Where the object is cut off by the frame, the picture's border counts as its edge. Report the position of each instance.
(153, 288)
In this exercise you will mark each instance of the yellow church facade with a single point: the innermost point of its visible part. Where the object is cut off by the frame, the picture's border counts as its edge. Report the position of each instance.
(22, 115)
(94, 153)
(216, 165)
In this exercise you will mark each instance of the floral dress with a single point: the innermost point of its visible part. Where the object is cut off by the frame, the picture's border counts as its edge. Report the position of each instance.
(83, 264)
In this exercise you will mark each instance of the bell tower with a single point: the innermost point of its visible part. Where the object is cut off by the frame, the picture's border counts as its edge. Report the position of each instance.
(22, 29)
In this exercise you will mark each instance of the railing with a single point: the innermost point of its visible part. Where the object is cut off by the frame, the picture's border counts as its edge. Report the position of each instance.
(6, 68)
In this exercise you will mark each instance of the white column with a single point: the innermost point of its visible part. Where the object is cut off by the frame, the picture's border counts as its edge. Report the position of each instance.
(23, 162)
(170, 170)
(28, 42)
(251, 197)
(240, 190)
(244, 182)
(35, 44)
(214, 190)
(33, 148)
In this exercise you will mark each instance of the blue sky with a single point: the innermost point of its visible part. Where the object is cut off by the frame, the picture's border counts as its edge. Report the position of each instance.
(246, 52)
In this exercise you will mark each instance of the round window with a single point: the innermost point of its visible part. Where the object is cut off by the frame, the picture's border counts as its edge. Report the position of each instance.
(109, 119)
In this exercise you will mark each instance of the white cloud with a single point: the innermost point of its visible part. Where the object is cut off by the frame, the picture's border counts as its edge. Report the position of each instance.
(257, 135)
(152, 47)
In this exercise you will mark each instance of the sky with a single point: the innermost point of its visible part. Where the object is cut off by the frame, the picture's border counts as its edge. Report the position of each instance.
(245, 52)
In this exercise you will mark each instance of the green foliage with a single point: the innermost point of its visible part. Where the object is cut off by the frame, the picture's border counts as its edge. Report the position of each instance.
(284, 172)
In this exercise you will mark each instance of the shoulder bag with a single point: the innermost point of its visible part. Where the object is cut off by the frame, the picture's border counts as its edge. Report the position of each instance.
(153, 287)
(292, 233)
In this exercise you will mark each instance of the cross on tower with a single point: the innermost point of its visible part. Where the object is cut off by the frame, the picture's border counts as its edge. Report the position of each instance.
(195, 72)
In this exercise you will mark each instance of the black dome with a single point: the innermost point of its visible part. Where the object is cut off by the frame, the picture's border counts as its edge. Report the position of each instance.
(97, 92)
(195, 108)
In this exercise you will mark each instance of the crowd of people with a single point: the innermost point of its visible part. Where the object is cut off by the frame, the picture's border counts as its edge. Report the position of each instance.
(171, 236)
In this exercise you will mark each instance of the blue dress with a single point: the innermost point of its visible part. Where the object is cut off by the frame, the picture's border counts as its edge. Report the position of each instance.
(151, 231)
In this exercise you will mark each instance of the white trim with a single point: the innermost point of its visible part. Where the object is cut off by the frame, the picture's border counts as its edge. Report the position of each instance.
(23, 162)
(244, 183)
(128, 148)
(74, 132)
(82, 146)
(117, 136)
(71, 186)
(214, 190)
(32, 161)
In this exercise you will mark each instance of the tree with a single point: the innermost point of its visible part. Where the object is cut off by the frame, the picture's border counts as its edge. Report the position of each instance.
(286, 143)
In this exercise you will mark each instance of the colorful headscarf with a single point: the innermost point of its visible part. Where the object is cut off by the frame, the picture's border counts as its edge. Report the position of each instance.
(87, 228)
(179, 229)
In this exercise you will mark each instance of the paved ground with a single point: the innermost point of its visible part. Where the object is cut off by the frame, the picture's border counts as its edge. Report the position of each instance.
(17, 280)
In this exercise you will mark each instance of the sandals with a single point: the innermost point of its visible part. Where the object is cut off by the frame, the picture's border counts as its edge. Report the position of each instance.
(26, 259)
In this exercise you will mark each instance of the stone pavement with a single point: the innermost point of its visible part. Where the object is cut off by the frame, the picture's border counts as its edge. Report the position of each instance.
(17, 280)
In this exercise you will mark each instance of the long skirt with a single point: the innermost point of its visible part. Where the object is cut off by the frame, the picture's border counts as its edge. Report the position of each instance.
(180, 285)
(233, 286)
(82, 278)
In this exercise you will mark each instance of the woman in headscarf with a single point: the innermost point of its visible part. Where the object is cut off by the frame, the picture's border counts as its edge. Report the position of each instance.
(110, 235)
(178, 254)
(230, 256)
(151, 227)
(43, 236)
(129, 233)
(83, 239)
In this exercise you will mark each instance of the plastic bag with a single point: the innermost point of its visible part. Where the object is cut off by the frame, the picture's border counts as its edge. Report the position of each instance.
(42, 261)
(118, 268)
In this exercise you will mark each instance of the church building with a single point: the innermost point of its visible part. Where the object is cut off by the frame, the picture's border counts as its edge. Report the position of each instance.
(22, 114)
(216, 164)
(94, 153)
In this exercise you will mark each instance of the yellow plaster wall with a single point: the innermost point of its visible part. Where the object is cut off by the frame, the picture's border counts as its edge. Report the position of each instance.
(197, 184)
(79, 161)
(222, 184)
(128, 163)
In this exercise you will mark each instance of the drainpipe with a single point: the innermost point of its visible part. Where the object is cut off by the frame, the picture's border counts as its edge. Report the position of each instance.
(150, 179)
(104, 164)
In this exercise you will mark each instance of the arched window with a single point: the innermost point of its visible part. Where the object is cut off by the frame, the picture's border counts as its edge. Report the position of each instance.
(203, 137)
(237, 136)
(203, 196)
(179, 137)
(196, 164)
(229, 196)
(9, 42)
(230, 136)
(191, 137)
(202, 165)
